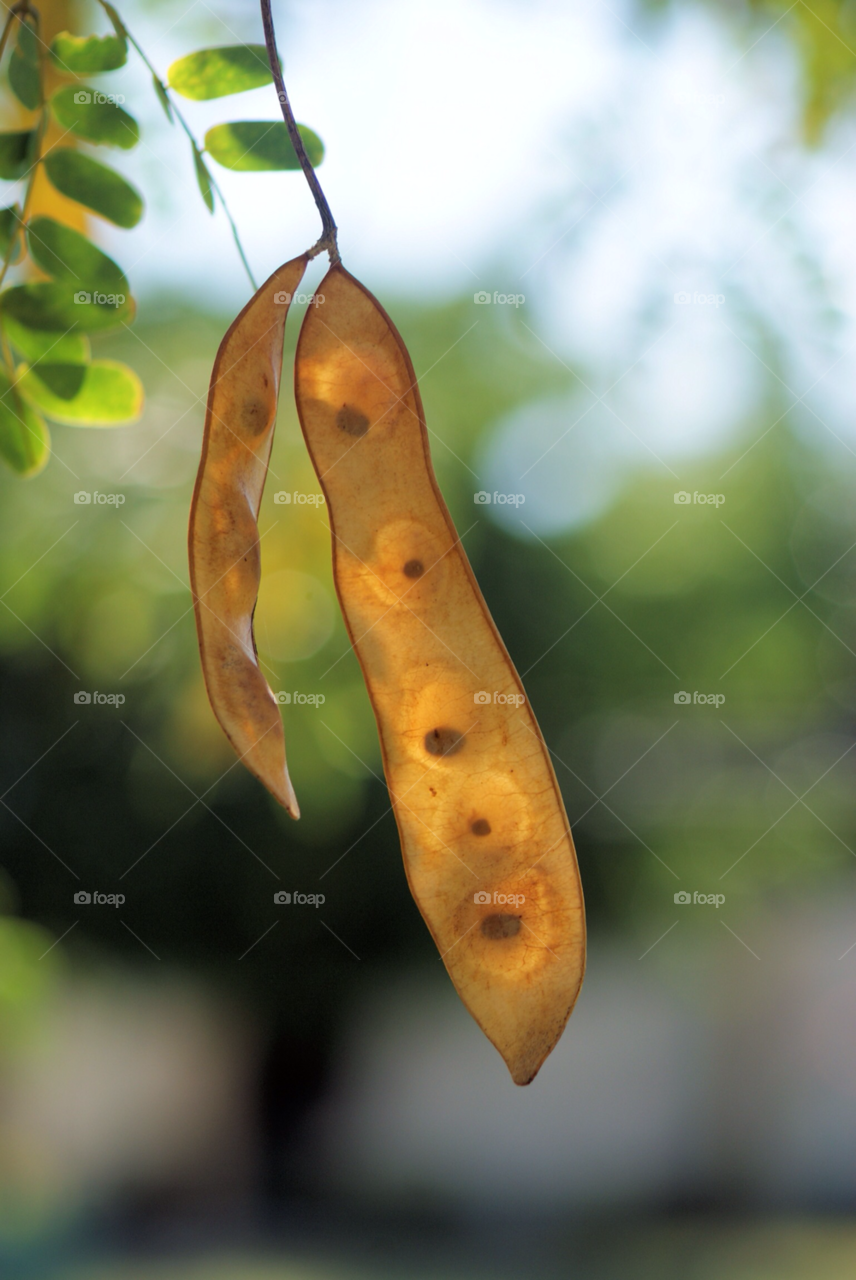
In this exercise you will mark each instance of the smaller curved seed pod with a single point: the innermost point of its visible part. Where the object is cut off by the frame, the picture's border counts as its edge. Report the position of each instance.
(486, 844)
(223, 539)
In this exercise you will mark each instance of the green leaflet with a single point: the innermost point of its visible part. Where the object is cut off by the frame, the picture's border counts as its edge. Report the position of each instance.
(10, 226)
(106, 395)
(67, 255)
(27, 42)
(16, 153)
(252, 145)
(203, 178)
(62, 380)
(86, 55)
(25, 81)
(94, 185)
(24, 72)
(38, 344)
(214, 73)
(118, 25)
(94, 116)
(24, 438)
(163, 98)
(59, 308)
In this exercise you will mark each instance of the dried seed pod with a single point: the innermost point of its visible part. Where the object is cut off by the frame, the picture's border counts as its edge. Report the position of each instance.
(488, 853)
(224, 537)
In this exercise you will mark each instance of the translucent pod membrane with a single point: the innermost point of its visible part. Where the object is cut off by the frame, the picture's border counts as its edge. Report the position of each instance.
(486, 844)
(224, 537)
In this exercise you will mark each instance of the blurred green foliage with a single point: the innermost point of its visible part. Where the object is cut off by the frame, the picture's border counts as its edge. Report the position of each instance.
(605, 623)
(822, 34)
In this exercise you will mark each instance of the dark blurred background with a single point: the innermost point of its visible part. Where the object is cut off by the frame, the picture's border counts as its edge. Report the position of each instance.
(197, 1081)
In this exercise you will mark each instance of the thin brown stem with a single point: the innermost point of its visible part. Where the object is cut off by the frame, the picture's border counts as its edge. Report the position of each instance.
(328, 226)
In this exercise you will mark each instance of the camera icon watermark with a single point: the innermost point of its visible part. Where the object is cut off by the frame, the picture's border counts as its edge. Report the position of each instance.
(84, 499)
(484, 499)
(682, 699)
(83, 898)
(84, 698)
(482, 298)
(683, 499)
(284, 899)
(683, 898)
(85, 299)
(284, 499)
(484, 899)
(283, 298)
(483, 698)
(83, 97)
(699, 299)
(300, 699)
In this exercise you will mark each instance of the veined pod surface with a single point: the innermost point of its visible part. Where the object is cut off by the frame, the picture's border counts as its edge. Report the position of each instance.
(488, 852)
(223, 539)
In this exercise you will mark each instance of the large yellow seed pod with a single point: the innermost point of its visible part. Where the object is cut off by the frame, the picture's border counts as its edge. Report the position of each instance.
(486, 843)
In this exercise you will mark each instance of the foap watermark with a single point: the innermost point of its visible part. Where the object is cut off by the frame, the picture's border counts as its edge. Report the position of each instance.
(84, 898)
(683, 897)
(483, 698)
(84, 499)
(301, 699)
(83, 698)
(283, 898)
(684, 299)
(699, 699)
(484, 499)
(283, 499)
(685, 499)
(482, 298)
(283, 298)
(84, 299)
(484, 899)
(83, 97)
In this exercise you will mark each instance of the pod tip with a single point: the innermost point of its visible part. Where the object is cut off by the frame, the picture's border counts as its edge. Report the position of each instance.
(288, 799)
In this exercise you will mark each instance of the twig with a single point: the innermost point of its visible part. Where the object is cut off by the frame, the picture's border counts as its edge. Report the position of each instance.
(328, 226)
